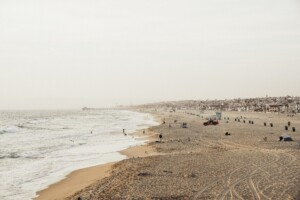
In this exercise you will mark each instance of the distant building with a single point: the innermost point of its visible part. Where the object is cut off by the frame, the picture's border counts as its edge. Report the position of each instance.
(293, 107)
(275, 107)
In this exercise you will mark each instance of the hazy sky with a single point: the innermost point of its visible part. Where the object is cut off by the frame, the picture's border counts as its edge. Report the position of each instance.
(57, 54)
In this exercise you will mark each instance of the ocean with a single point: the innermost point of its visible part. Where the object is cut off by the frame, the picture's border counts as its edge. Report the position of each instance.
(39, 148)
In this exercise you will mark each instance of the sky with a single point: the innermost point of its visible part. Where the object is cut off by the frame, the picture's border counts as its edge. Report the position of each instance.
(67, 54)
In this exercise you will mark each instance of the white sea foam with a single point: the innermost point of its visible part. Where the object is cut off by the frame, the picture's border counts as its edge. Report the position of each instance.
(46, 146)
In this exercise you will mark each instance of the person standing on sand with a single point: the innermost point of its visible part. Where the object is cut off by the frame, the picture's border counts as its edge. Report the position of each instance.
(160, 137)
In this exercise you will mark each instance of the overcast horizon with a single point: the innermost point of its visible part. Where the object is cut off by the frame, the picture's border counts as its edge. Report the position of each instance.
(63, 54)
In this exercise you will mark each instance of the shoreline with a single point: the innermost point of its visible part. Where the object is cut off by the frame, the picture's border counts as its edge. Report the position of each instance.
(74, 182)
(81, 178)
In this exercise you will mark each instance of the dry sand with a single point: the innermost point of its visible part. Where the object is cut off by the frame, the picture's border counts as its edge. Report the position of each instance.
(202, 163)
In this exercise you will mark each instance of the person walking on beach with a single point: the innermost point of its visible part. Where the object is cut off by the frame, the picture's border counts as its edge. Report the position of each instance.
(160, 137)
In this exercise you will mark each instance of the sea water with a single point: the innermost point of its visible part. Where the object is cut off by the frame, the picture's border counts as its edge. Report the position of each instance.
(39, 148)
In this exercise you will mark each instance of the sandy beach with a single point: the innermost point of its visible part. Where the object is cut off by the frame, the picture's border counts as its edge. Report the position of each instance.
(82, 178)
(199, 162)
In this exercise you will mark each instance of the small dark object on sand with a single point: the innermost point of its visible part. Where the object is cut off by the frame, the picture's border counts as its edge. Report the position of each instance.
(289, 123)
(211, 122)
(227, 134)
(294, 129)
(160, 137)
(265, 139)
(285, 138)
(271, 124)
(144, 174)
(79, 198)
(175, 121)
(265, 124)
(184, 125)
(286, 128)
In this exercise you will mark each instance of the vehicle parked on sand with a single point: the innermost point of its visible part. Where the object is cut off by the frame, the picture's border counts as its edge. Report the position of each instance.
(211, 122)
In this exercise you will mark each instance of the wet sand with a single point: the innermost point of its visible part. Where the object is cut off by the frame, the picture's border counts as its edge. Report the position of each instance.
(82, 178)
(75, 181)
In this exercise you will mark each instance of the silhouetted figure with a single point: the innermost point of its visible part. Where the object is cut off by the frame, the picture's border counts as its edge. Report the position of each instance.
(160, 137)
(227, 134)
